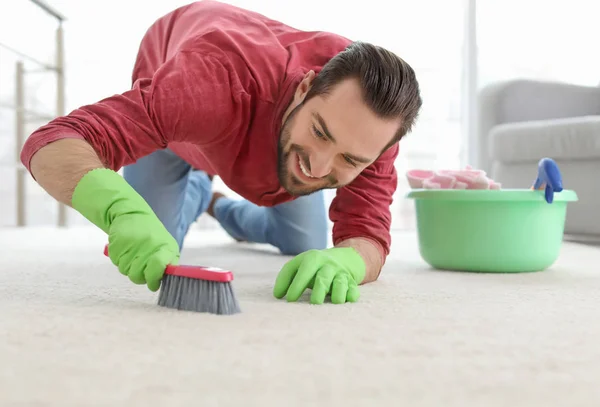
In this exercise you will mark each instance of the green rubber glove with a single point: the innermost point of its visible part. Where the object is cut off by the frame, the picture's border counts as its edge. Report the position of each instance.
(337, 271)
(138, 243)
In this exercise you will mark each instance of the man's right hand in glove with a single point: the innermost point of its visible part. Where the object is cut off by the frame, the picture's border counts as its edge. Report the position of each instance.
(71, 171)
(138, 243)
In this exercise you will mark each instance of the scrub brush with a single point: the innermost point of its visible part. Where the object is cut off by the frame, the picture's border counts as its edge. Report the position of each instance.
(197, 288)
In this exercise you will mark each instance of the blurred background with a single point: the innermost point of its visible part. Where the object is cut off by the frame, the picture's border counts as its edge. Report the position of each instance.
(458, 48)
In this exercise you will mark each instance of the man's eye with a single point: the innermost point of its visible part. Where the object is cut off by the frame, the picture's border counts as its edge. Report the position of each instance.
(349, 161)
(317, 132)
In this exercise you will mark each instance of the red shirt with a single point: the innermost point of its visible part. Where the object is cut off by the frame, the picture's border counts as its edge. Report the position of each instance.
(211, 82)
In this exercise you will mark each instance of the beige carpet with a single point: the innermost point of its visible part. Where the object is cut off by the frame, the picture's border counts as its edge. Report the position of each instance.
(74, 332)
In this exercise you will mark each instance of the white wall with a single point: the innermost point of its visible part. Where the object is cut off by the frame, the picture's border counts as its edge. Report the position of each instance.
(548, 40)
(529, 38)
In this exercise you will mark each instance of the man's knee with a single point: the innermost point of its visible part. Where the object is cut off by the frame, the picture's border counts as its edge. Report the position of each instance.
(161, 178)
(296, 241)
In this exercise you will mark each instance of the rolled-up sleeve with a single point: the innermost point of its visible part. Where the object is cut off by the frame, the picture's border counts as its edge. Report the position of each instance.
(362, 208)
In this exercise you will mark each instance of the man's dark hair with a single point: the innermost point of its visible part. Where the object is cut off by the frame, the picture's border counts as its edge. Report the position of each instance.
(389, 84)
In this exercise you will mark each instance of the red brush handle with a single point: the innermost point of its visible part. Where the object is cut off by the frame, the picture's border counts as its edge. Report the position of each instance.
(197, 272)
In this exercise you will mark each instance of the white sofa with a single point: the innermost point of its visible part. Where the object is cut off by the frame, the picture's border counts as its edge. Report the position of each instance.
(522, 121)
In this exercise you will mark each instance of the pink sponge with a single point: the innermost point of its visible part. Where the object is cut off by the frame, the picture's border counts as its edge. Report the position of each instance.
(468, 178)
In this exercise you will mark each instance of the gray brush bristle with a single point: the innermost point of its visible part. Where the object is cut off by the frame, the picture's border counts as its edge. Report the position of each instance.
(192, 294)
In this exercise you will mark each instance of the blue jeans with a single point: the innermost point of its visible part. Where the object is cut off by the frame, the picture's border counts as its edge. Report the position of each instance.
(179, 195)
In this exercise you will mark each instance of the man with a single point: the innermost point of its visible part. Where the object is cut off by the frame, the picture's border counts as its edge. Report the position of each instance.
(278, 113)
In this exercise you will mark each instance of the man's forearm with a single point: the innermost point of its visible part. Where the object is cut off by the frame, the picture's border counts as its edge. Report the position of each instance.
(60, 165)
(370, 254)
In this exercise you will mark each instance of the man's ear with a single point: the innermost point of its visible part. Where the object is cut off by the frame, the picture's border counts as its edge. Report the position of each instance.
(304, 86)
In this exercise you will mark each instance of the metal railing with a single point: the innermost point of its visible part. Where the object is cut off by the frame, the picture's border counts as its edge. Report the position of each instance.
(23, 115)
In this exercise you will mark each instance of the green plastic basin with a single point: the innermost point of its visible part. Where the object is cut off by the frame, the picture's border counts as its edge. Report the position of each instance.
(502, 231)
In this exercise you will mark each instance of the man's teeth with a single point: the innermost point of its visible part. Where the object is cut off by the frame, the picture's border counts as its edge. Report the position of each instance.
(304, 171)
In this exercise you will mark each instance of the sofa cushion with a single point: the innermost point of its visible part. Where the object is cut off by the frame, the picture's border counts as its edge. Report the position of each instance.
(566, 138)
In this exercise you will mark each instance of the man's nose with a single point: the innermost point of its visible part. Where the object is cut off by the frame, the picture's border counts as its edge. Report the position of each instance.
(320, 165)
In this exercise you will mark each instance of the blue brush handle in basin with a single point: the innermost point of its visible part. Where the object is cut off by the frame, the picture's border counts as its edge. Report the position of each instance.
(549, 177)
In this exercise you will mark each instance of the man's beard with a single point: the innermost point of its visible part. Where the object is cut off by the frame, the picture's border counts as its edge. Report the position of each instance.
(288, 180)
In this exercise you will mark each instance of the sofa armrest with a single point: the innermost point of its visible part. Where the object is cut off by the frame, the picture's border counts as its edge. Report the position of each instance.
(565, 139)
(524, 100)
(529, 100)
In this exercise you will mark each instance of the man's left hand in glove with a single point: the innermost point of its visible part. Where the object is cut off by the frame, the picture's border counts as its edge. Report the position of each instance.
(336, 271)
